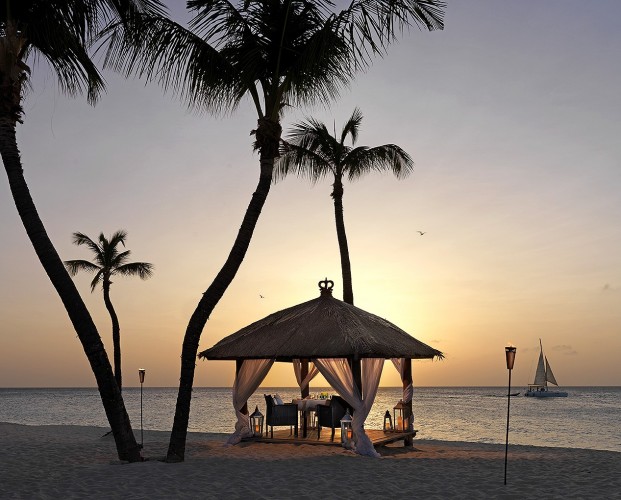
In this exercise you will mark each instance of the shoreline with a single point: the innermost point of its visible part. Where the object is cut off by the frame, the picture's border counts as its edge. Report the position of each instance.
(79, 461)
(522, 387)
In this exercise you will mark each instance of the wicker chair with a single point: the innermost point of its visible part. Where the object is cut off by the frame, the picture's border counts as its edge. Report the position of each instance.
(278, 415)
(330, 415)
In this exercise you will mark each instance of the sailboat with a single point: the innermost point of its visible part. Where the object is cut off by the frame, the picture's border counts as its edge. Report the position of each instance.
(539, 388)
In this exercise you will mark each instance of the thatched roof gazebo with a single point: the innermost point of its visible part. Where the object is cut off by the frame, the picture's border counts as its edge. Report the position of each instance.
(322, 331)
(324, 327)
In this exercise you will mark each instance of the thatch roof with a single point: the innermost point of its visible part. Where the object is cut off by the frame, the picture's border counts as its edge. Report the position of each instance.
(321, 328)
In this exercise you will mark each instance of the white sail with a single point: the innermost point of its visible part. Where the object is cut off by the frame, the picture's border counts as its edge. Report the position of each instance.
(540, 375)
(539, 388)
(549, 375)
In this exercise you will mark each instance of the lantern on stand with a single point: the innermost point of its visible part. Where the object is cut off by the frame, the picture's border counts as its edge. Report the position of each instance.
(346, 430)
(388, 422)
(256, 423)
(400, 420)
(141, 372)
(510, 356)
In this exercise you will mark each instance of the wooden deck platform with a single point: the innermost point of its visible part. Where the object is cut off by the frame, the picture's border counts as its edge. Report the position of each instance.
(377, 437)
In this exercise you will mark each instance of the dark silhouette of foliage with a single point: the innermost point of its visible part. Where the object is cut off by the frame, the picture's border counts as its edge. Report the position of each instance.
(311, 151)
(109, 262)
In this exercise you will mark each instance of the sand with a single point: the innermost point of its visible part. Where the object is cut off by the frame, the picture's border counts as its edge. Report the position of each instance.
(64, 462)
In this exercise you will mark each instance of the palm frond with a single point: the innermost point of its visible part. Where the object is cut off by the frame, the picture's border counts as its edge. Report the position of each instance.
(352, 127)
(99, 278)
(388, 157)
(81, 239)
(313, 135)
(301, 162)
(343, 42)
(218, 20)
(143, 270)
(160, 50)
(75, 266)
(123, 8)
(118, 237)
(316, 66)
(118, 259)
(376, 23)
(60, 33)
(97, 14)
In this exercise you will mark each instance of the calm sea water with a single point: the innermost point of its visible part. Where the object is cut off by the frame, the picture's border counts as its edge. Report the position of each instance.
(588, 418)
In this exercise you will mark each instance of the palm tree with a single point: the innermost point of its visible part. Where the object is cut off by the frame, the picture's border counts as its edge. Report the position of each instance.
(60, 32)
(311, 151)
(108, 262)
(277, 53)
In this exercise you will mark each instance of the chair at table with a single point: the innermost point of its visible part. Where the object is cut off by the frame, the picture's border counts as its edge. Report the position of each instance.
(330, 415)
(279, 415)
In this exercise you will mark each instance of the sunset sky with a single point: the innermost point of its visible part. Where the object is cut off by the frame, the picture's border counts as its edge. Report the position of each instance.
(512, 115)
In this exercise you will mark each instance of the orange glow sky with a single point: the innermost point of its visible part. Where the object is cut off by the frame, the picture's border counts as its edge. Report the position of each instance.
(512, 115)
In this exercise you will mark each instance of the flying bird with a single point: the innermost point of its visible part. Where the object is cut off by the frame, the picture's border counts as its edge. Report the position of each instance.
(421, 232)
(261, 296)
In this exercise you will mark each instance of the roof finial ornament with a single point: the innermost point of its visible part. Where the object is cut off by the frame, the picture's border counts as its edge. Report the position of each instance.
(325, 287)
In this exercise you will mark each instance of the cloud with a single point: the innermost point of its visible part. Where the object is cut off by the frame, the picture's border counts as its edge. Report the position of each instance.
(529, 349)
(565, 349)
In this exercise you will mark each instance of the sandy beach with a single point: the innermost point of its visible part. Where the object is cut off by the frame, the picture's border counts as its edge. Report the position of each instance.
(78, 462)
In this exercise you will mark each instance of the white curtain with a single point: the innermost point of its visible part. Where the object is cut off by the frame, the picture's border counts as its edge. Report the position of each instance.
(312, 373)
(338, 374)
(250, 375)
(408, 391)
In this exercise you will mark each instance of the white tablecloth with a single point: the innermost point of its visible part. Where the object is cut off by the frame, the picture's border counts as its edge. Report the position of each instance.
(310, 404)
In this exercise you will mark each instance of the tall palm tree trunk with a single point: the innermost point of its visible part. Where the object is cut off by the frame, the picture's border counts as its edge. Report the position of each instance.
(126, 445)
(209, 300)
(116, 335)
(337, 196)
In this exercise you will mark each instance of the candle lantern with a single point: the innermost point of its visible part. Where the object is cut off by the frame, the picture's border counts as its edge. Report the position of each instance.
(346, 430)
(256, 423)
(510, 356)
(400, 421)
(388, 422)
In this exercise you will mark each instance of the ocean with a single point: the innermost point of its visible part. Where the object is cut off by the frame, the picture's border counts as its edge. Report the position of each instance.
(587, 418)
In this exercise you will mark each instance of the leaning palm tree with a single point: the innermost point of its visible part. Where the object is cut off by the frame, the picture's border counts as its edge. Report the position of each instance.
(277, 53)
(311, 151)
(60, 32)
(108, 262)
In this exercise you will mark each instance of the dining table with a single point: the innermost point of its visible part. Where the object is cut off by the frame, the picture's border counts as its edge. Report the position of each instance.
(306, 407)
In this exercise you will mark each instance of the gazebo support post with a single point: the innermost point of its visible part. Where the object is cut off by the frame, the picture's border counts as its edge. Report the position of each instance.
(305, 393)
(238, 365)
(304, 373)
(407, 380)
(356, 370)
